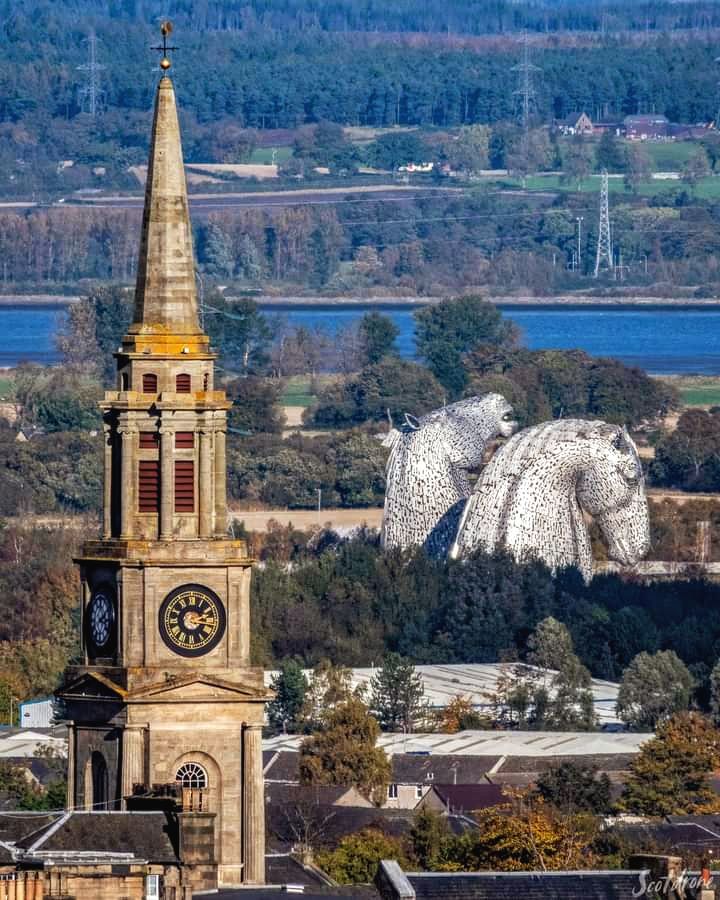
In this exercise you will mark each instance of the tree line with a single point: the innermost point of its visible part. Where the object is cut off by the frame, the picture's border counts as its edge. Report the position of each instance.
(425, 245)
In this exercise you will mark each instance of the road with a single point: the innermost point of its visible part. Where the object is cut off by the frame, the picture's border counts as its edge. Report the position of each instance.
(201, 204)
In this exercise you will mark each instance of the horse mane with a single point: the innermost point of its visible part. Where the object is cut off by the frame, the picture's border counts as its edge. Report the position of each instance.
(495, 493)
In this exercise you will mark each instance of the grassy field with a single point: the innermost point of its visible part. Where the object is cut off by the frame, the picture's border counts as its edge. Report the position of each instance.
(263, 156)
(706, 189)
(297, 392)
(670, 156)
(697, 390)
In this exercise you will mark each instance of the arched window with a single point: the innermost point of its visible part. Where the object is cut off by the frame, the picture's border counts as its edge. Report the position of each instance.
(124, 381)
(191, 775)
(182, 384)
(206, 381)
(149, 382)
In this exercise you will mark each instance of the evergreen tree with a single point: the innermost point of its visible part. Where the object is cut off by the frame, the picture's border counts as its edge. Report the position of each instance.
(654, 687)
(565, 702)
(445, 331)
(290, 686)
(378, 334)
(574, 787)
(609, 153)
(397, 694)
(715, 693)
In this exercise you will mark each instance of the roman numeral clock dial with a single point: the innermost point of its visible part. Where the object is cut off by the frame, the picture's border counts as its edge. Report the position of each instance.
(192, 620)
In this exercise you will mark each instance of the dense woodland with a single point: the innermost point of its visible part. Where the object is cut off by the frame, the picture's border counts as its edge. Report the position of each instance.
(280, 66)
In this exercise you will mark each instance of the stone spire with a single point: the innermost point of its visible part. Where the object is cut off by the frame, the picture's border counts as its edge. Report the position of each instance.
(165, 295)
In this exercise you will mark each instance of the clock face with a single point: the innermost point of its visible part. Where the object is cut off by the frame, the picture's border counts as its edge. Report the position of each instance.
(192, 620)
(101, 618)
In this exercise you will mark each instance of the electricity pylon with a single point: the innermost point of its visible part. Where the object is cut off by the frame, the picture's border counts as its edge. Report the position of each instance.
(604, 257)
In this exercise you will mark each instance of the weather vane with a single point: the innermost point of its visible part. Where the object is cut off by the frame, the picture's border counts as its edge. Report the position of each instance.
(165, 30)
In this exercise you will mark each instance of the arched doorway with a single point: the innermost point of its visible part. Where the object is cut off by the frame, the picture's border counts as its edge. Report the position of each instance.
(99, 781)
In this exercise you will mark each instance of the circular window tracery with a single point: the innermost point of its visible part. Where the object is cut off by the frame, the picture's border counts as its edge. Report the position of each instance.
(191, 775)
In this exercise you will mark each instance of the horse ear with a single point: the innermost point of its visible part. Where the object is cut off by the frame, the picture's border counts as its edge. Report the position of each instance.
(412, 423)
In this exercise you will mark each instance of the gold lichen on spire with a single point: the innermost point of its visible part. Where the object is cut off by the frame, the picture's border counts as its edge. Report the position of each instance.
(166, 303)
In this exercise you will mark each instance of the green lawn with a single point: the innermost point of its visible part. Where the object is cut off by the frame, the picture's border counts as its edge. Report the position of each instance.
(264, 155)
(297, 392)
(706, 189)
(669, 157)
(702, 395)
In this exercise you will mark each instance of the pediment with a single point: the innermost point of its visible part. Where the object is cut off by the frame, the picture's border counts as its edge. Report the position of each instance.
(197, 686)
(92, 686)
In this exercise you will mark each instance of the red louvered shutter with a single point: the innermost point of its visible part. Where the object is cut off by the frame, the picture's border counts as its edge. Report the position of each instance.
(182, 384)
(149, 486)
(184, 486)
(149, 383)
(184, 440)
(149, 440)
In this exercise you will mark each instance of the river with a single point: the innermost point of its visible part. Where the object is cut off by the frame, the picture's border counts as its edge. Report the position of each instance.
(662, 340)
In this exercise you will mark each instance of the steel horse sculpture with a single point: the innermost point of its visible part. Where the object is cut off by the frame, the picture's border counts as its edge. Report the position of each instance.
(532, 496)
(427, 481)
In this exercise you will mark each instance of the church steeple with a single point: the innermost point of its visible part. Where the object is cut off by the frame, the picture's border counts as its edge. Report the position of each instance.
(165, 294)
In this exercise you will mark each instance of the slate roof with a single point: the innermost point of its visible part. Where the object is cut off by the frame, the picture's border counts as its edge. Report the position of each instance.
(6, 857)
(332, 823)
(604, 762)
(281, 766)
(15, 826)
(357, 892)
(411, 768)
(293, 794)
(466, 798)
(146, 835)
(282, 868)
(329, 824)
(609, 885)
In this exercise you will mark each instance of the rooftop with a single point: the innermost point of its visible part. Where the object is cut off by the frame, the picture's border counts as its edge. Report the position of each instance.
(479, 681)
(536, 744)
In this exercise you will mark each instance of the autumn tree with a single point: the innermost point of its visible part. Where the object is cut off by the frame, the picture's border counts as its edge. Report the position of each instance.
(654, 687)
(577, 161)
(638, 166)
(343, 752)
(670, 775)
(459, 714)
(469, 151)
(397, 694)
(526, 835)
(696, 167)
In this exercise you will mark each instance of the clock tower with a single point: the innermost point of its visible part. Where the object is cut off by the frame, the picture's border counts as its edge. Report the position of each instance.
(166, 695)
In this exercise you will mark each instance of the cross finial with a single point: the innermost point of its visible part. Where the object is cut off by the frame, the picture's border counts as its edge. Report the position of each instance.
(165, 30)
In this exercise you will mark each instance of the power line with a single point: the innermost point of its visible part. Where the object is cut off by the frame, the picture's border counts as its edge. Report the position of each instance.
(91, 94)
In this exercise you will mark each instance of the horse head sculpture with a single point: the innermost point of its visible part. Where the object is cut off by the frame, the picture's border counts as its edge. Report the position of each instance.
(427, 482)
(532, 498)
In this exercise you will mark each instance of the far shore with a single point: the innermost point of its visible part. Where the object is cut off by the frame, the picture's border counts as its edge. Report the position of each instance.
(270, 301)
